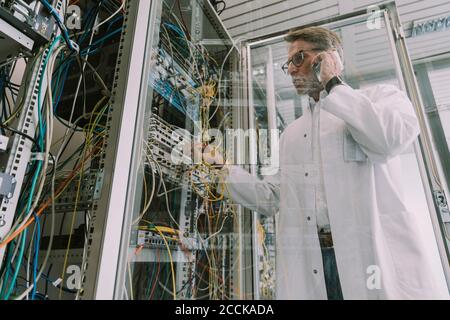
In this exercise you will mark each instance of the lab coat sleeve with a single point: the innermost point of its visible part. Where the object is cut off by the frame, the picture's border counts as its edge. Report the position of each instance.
(380, 119)
(260, 195)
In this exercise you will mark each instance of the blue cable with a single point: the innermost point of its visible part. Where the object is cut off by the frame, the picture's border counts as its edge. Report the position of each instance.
(83, 52)
(61, 25)
(103, 39)
(55, 84)
(175, 28)
(110, 24)
(44, 67)
(64, 69)
(8, 268)
(36, 253)
(30, 198)
(39, 168)
(37, 172)
(90, 22)
(41, 143)
(3, 92)
(56, 103)
(16, 272)
(67, 64)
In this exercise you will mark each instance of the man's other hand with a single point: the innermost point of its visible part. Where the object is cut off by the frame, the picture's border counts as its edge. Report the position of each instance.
(210, 154)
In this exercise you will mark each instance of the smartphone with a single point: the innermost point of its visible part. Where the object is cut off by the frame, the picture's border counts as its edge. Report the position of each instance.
(340, 65)
(316, 68)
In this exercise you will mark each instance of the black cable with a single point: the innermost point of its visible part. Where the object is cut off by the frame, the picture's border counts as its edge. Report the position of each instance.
(73, 54)
(40, 296)
(45, 277)
(64, 62)
(62, 223)
(8, 104)
(86, 227)
(97, 78)
(53, 163)
(4, 106)
(14, 86)
(70, 158)
(13, 68)
(4, 265)
(219, 12)
(19, 133)
(67, 143)
(90, 20)
(48, 274)
(216, 3)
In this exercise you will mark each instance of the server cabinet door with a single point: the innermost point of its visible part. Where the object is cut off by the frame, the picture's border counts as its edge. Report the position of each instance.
(375, 53)
(161, 229)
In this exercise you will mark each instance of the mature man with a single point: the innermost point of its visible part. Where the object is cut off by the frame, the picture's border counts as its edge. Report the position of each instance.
(344, 229)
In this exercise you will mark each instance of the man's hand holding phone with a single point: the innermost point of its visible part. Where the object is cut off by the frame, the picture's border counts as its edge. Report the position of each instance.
(327, 65)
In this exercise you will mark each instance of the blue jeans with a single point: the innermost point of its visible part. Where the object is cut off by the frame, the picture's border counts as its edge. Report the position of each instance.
(334, 291)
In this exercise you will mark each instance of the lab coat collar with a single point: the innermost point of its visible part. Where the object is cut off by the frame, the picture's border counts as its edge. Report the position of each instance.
(313, 103)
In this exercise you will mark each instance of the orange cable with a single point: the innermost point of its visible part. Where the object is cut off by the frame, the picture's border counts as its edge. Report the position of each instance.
(47, 202)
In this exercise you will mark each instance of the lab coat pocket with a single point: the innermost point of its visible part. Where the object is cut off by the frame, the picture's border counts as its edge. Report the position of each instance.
(352, 150)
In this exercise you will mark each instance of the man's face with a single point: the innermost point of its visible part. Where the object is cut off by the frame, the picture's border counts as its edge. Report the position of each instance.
(303, 76)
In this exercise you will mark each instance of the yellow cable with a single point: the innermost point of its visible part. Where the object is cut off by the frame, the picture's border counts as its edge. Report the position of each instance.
(72, 224)
(88, 141)
(171, 265)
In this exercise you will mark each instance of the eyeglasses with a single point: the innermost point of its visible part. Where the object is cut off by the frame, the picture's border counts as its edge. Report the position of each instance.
(297, 59)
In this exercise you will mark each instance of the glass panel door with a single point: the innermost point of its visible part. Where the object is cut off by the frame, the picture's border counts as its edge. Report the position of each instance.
(370, 60)
(178, 234)
(433, 79)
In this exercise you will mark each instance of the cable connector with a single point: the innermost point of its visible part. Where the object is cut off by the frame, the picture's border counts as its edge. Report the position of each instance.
(57, 282)
(74, 46)
(37, 156)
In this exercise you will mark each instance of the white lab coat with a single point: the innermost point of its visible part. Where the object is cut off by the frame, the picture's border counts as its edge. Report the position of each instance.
(381, 249)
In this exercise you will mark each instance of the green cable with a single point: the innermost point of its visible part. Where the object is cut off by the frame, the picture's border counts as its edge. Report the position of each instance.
(44, 67)
(8, 268)
(22, 249)
(16, 272)
(38, 169)
(58, 79)
(147, 292)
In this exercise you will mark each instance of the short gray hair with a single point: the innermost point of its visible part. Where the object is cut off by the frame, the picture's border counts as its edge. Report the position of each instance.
(323, 38)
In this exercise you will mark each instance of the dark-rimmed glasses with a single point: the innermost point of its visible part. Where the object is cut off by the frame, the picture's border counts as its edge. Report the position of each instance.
(297, 59)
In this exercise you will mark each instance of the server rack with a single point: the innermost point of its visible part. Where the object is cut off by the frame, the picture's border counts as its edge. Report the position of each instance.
(147, 220)
(159, 229)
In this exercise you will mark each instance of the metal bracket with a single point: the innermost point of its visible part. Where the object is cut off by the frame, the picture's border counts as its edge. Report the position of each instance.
(98, 185)
(441, 200)
(444, 211)
(3, 143)
(401, 32)
(7, 185)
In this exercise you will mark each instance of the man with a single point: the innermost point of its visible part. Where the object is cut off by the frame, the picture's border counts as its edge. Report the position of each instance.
(344, 230)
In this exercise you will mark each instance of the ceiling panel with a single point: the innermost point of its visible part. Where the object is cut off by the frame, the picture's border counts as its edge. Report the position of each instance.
(256, 18)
